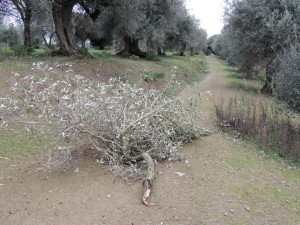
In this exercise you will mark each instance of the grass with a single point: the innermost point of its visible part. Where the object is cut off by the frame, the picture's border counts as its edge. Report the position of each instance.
(263, 123)
(240, 85)
(101, 54)
(14, 144)
(193, 68)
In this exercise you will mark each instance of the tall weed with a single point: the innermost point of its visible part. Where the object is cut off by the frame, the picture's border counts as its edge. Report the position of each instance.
(263, 123)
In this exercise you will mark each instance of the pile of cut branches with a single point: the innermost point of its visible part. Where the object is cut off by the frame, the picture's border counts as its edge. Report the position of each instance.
(122, 123)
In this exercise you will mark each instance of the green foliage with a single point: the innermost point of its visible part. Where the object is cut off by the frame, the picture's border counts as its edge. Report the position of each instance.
(152, 76)
(124, 76)
(9, 36)
(288, 78)
(21, 50)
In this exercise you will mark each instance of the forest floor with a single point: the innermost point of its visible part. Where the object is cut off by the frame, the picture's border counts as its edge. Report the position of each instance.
(225, 182)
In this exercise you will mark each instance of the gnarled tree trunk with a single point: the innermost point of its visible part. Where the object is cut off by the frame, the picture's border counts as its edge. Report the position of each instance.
(182, 50)
(160, 52)
(268, 86)
(192, 51)
(132, 48)
(62, 14)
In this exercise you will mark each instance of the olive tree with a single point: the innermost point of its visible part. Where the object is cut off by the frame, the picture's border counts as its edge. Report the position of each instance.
(258, 30)
(288, 77)
(9, 36)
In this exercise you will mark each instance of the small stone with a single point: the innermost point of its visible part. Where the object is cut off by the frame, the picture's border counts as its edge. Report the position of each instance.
(231, 210)
(41, 169)
(247, 208)
(225, 214)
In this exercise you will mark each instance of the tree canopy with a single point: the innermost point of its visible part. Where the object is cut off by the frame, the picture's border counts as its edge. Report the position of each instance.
(156, 23)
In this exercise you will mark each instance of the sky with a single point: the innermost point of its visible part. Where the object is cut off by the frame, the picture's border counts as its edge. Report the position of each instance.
(209, 12)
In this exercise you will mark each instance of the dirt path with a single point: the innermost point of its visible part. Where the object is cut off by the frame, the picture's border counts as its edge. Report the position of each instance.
(224, 183)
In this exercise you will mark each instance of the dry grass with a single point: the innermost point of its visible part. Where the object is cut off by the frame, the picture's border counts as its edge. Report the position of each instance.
(263, 123)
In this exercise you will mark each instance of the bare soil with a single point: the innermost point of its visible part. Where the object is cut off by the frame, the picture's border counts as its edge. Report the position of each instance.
(225, 182)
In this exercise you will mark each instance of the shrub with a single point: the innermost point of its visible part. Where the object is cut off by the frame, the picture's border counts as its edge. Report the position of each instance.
(21, 50)
(288, 78)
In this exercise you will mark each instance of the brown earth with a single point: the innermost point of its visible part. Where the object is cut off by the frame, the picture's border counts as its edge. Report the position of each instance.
(225, 182)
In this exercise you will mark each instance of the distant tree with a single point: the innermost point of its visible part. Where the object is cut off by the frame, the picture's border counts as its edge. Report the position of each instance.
(9, 36)
(197, 40)
(258, 30)
(42, 24)
(288, 77)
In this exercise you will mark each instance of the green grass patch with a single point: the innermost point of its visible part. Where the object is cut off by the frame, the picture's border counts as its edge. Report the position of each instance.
(152, 76)
(17, 143)
(244, 86)
(192, 68)
(230, 69)
(258, 193)
(101, 54)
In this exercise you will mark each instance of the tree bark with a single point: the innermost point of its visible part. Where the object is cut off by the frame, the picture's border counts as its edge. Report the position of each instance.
(182, 50)
(268, 86)
(49, 44)
(148, 182)
(131, 48)
(62, 14)
(25, 10)
(192, 51)
(160, 52)
(27, 24)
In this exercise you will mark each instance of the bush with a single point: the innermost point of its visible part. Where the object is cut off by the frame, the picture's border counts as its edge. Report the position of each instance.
(21, 50)
(287, 81)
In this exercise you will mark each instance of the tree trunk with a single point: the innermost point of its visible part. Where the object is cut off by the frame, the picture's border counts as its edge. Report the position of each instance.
(62, 14)
(131, 48)
(25, 10)
(268, 86)
(192, 51)
(160, 52)
(182, 50)
(49, 44)
(27, 23)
